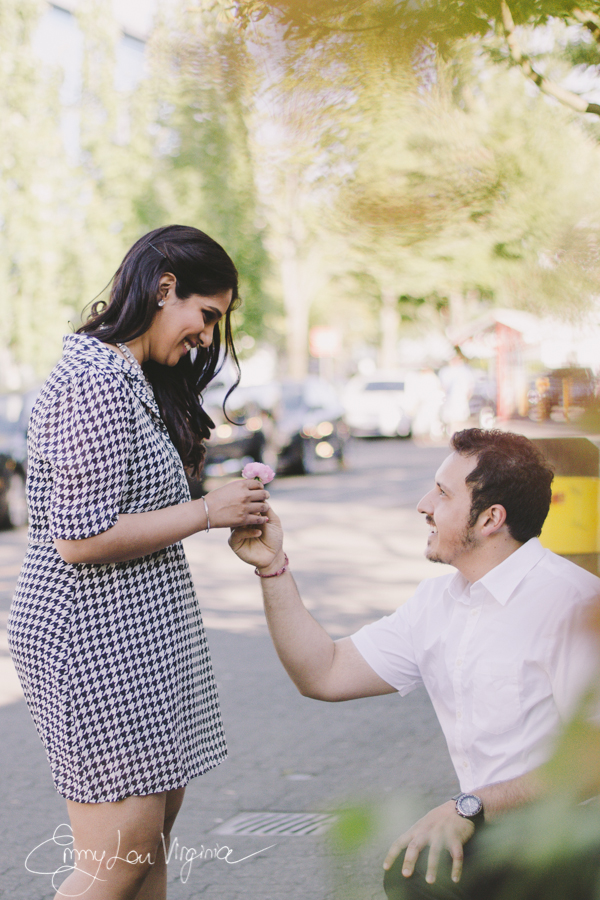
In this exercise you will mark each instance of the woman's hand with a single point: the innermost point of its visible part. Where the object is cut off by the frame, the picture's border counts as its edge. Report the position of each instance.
(260, 547)
(139, 534)
(239, 503)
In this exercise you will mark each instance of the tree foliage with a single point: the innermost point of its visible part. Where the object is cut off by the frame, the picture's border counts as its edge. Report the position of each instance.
(446, 177)
(171, 148)
(33, 208)
(402, 24)
(365, 31)
(205, 74)
(449, 199)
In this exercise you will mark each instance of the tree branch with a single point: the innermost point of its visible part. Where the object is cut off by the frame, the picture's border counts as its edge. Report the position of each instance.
(340, 29)
(590, 20)
(568, 98)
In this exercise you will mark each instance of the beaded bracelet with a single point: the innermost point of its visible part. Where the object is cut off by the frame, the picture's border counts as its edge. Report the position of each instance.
(275, 574)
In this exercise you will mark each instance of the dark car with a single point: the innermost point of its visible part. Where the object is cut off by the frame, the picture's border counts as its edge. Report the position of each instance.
(15, 409)
(569, 390)
(308, 433)
(237, 439)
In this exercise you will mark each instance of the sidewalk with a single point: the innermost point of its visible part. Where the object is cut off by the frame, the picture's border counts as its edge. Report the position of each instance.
(356, 554)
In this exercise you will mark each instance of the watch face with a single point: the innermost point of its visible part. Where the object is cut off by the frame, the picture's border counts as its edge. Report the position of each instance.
(469, 805)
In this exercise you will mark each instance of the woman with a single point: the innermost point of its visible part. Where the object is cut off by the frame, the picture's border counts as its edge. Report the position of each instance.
(105, 629)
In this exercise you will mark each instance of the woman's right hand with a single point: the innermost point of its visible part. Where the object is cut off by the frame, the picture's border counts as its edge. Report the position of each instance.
(237, 504)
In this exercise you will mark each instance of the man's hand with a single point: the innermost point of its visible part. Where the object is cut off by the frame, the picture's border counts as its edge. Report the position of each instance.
(259, 546)
(441, 829)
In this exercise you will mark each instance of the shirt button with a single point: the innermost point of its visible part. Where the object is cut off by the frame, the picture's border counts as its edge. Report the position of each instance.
(459, 662)
(465, 765)
(459, 715)
(474, 612)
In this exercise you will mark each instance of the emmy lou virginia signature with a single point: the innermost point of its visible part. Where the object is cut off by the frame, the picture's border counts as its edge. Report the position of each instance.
(180, 854)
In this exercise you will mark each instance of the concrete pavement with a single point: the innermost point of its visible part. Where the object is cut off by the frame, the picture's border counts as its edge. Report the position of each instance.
(355, 546)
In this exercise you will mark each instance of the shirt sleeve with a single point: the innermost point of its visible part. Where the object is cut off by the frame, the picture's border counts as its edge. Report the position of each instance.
(387, 646)
(573, 660)
(86, 439)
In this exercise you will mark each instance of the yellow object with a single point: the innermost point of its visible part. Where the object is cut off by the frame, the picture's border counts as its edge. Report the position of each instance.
(572, 523)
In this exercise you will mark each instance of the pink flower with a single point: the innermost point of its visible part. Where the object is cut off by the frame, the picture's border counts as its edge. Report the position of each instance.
(260, 471)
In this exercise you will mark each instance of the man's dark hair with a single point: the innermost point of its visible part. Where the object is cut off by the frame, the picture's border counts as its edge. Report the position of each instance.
(510, 471)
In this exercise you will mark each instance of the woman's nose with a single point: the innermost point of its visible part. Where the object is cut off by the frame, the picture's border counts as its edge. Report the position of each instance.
(206, 335)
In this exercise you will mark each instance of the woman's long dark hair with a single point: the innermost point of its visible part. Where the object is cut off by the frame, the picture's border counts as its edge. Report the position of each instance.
(200, 266)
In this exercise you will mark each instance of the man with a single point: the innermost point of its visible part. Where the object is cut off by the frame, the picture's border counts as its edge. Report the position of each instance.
(498, 645)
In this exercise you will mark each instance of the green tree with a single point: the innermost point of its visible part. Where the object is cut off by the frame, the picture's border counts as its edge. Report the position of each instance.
(33, 208)
(446, 179)
(171, 148)
(367, 31)
(117, 157)
(201, 75)
(449, 199)
(65, 224)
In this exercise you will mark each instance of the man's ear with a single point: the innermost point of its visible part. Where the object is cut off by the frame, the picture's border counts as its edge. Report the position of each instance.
(492, 519)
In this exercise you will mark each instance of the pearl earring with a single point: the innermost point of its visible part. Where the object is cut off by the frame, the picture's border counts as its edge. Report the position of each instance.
(161, 302)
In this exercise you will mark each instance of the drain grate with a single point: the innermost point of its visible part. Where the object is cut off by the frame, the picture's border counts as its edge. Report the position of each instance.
(277, 823)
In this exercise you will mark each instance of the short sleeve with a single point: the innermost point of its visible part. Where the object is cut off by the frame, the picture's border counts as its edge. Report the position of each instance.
(573, 659)
(85, 437)
(387, 646)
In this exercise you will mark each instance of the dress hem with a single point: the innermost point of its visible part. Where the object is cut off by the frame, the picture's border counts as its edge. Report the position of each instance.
(147, 793)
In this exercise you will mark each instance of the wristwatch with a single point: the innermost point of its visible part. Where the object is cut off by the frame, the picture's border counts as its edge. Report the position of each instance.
(470, 806)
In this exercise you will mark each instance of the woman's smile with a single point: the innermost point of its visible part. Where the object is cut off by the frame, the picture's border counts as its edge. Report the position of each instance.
(181, 326)
(189, 344)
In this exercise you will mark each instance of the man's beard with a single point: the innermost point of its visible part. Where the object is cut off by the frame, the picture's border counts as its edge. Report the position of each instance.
(466, 542)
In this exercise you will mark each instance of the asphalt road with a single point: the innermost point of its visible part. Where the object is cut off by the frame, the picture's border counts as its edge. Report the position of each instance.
(355, 543)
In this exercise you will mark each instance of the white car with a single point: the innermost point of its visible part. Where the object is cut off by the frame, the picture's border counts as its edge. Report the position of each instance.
(380, 404)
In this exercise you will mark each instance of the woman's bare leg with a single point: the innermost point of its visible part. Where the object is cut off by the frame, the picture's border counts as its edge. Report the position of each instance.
(115, 845)
(154, 886)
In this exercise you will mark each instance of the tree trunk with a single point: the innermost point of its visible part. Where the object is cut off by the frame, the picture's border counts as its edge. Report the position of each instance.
(458, 313)
(389, 318)
(296, 303)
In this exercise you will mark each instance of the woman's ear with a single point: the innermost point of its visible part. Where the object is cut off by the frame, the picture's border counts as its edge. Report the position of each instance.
(166, 283)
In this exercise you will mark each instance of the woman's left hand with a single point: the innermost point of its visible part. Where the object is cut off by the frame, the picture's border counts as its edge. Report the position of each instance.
(259, 546)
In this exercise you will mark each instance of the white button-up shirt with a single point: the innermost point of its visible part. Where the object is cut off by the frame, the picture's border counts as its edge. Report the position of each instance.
(504, 659)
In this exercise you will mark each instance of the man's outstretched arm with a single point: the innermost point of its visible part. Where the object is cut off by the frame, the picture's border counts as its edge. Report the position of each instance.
(335, 670)
(319, 667)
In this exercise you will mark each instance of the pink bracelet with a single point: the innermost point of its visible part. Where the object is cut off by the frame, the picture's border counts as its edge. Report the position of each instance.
(275, 574)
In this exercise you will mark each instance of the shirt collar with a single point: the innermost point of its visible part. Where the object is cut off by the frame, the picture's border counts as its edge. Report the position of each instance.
(501, 581)
(88, 349)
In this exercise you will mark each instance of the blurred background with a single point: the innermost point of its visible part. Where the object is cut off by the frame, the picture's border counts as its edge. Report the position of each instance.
(411, 194)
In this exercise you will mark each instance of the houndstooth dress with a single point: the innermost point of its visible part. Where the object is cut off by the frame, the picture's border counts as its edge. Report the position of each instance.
(113, 659)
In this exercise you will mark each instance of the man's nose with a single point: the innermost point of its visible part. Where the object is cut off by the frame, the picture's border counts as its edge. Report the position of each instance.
(424, 504)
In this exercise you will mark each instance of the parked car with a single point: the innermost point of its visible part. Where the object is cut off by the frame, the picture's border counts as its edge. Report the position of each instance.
(236, 440)
(15, 409)
(571, 389)
(381, 404)
(307, 431)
